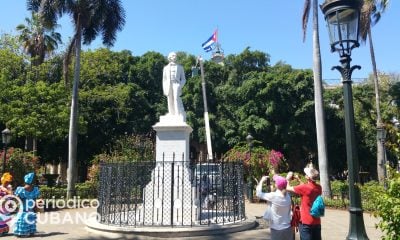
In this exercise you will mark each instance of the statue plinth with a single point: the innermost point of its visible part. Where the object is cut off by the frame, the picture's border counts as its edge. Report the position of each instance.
(171, 178)
(172, 138)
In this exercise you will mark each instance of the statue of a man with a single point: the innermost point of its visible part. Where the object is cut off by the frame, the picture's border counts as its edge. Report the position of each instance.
(173, 81)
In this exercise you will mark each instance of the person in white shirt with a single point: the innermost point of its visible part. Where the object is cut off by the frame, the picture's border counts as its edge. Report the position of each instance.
(173, 81)
(280, 208)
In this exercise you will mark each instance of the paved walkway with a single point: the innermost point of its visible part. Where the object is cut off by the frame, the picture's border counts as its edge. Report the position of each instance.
(70, 224)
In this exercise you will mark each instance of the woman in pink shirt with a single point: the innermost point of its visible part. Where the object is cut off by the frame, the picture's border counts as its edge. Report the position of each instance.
(280, 208)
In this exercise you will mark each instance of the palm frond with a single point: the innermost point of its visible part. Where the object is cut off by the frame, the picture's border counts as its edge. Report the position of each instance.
(371, 13)
(306, 14)
(33, 5)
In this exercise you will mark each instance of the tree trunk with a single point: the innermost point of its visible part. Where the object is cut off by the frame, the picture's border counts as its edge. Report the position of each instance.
(319, 107)
(28, 144)
(31, 145)
(73, 125)
(380, 148)
(34, 146)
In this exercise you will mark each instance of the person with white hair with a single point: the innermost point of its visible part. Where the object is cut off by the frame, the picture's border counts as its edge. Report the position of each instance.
(309, 227)
(173, 81)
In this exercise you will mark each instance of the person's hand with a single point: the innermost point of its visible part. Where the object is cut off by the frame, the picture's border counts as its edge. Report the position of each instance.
(289, 176)
(264, 178)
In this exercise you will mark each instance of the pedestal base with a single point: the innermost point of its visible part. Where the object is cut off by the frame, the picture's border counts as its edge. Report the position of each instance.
(168, 196)
(171, 178)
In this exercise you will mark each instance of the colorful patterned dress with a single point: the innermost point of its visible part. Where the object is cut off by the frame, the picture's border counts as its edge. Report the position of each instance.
(26, 217)
(4, 215)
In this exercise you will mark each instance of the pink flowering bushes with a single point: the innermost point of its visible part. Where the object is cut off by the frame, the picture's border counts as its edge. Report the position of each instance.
(275, 159)
(260, 162)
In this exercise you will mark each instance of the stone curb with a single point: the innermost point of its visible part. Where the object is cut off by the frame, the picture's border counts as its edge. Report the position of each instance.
(168, 232)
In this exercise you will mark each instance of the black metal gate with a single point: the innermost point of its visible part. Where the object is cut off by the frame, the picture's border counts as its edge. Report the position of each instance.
(170, 193)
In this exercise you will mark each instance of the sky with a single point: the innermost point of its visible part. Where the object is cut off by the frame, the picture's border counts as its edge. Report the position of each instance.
(272, 27)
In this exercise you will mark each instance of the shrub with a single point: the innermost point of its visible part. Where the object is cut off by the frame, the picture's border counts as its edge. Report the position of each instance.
(52, 192)
(388, 209)
(261, 162)
(87, 189)
(370, 193)
(20, 163)
(339, 187)
(129, 148)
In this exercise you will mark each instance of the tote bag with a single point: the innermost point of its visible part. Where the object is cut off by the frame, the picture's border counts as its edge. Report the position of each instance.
(268, 213)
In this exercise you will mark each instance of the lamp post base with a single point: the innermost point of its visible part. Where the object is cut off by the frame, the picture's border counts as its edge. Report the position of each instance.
(356, 228)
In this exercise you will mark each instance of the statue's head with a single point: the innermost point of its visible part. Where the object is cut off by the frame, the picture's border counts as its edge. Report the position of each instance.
(172, 57)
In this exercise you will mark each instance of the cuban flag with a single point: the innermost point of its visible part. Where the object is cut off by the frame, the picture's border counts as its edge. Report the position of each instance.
(210, 43)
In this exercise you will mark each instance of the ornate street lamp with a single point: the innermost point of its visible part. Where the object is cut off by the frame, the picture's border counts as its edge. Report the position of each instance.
(342, 17)
(6, 138)
(249, 140)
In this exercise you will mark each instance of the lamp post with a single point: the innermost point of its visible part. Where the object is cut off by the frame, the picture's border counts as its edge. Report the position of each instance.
(6, 138)
(249, 140)
(381, 136)
(342, 17)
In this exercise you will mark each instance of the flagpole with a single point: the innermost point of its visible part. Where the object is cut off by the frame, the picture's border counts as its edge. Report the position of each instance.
(206, 119)
(217, 53)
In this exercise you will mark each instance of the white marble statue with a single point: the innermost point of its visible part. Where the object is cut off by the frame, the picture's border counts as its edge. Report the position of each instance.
(173, 81)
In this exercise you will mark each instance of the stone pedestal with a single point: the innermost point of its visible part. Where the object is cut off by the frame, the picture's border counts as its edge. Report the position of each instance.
(172, 141)
(171, 178)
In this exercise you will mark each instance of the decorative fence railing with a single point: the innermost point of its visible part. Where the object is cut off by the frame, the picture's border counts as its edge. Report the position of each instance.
(170, 193)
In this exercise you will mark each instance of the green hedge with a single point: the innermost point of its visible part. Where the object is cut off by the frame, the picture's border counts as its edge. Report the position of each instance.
(370, 192)
(87, 190)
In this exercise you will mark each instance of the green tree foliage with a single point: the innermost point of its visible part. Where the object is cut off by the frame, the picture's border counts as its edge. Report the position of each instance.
(10, 42)
(116, 96)
(105, 67)
(37, 109)
(30, 108)
(255, 105)
(248, 61)
(12, 66)
(147, 72)
(122, 94)
(363, 102)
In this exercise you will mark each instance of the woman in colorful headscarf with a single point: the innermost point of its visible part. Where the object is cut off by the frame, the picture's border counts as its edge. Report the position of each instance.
(26, 217)
(5, 189)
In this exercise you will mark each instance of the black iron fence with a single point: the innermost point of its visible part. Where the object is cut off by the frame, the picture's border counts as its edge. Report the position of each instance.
(170, 193)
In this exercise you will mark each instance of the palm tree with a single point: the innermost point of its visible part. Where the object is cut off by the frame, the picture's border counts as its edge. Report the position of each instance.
(38, 41)
(319, 105)
(370, 15)
(90, 18)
